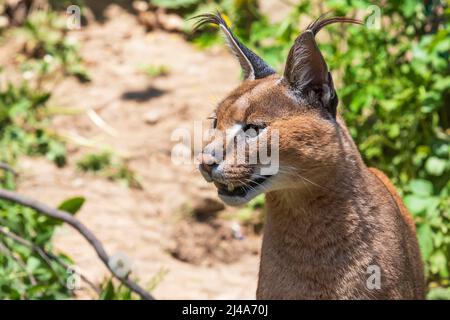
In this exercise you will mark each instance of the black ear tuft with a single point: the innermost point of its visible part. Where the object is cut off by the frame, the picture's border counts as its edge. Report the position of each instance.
(252, 65)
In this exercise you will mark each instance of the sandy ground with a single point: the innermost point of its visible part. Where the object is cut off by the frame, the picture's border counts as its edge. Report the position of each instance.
(140, 223)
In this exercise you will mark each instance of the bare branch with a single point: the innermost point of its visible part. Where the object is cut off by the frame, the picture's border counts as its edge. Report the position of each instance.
(7, 167)
(81, 228)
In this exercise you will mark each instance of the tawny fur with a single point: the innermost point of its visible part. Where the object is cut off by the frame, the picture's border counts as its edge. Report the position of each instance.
(320, 239)
(321, 234)
(329, 217)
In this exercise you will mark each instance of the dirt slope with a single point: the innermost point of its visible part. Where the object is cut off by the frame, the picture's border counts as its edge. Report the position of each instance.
(140, 222)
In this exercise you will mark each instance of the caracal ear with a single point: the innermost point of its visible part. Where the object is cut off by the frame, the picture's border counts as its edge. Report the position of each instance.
(306, 71)
(252, 65)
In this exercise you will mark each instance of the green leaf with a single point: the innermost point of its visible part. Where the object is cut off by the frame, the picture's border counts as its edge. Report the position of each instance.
(33, 263)
(72, 205)
(37, 290)
(257, 202)
(394, 131)
(439, 264)
(439, 294)
(108, 291)
(421, 187)
(416, 204)
(435, 166)
(425, 234)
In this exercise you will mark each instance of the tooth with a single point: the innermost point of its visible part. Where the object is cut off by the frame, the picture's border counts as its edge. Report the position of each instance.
(230, 187)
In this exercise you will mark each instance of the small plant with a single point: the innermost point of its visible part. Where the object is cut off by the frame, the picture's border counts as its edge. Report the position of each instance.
(110, 290)
(29, 267)
(23, 123)
(95, 162)
(154, 71)
(110, 166)
(48, 48)
(157, 279)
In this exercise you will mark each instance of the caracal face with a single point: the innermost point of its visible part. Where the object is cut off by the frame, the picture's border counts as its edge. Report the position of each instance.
(273, 131)
(257, 111)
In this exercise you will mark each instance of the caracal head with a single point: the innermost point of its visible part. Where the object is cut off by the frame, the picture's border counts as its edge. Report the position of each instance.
(274, 132)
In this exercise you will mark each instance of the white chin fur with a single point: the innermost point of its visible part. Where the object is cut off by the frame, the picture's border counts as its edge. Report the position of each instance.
(237, 201)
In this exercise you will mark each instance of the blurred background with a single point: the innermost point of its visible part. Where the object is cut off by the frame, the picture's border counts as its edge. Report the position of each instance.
(89, 98)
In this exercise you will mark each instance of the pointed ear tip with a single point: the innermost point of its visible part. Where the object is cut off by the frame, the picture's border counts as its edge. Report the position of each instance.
(205, 18)
(308, 34)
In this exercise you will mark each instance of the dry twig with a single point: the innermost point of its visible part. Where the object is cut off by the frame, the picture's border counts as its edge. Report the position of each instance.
(8, 168)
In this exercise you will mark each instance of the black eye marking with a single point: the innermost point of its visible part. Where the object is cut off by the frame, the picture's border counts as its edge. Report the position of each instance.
(214, 121)
(257, 127)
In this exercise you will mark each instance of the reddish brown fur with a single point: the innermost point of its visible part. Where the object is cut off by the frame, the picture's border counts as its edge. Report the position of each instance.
(334, 217)
(329, 217)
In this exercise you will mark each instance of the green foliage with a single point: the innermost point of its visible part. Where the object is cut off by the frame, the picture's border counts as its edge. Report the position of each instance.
(95, 162)
(23, 124)
(111, 291)
(439, 294)
(29, 268)
(394, 96)
(48, 49)
(109, 166)
(393, 87)
(23, 106)
(27, 272)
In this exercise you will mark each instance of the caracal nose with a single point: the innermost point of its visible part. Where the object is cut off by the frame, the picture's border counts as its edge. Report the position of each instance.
(207, 162)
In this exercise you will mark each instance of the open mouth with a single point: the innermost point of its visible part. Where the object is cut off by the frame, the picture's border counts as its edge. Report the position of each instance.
(241, 191)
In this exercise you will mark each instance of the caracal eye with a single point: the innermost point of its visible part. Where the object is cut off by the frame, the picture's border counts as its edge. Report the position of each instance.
(253, 130)
(251, 133)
